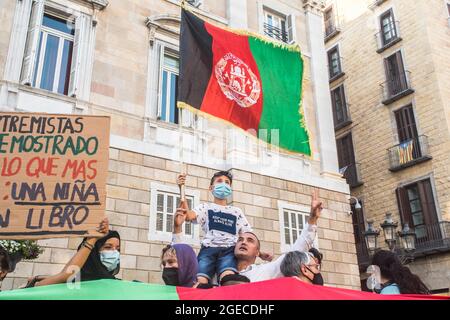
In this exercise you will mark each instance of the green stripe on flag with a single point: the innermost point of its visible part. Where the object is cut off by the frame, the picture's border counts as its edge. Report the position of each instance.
(281, 72)
(95, 290)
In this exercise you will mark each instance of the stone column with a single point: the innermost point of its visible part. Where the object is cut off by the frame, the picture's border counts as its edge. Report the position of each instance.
(319, 78)
(237, 14)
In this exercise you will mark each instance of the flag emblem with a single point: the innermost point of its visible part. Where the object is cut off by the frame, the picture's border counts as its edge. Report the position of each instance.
(237, 81)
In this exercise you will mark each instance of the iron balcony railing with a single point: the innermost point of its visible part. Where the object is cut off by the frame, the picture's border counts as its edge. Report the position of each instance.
(432, 238)
(351, 173)
(397, 86)
(276, 33)
(386, 38)
(408, 153)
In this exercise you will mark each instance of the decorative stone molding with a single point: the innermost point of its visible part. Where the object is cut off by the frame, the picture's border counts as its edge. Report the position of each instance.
(168, 23)
(99, 4)
(314, 6)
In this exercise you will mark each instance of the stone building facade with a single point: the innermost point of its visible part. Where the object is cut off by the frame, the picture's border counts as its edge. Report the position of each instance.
(124, 64)
(389, 68)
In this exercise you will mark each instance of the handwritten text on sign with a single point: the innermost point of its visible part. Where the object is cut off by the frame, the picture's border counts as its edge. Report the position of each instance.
(52, 174)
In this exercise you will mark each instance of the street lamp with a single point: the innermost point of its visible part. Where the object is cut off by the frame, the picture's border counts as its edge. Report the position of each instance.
(371, 237)
(389, 227)
(408, 238)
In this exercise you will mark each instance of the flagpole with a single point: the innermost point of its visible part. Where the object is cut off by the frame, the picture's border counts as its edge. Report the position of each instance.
(180, 132)
(180, 143)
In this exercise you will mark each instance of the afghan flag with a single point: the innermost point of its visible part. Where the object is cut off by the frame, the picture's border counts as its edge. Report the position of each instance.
(277, 289)
(244, 79)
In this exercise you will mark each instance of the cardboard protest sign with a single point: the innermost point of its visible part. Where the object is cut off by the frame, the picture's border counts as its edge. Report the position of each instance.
(53, 171)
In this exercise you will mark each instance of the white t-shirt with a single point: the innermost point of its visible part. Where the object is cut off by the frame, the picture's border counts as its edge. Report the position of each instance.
(221, 224)
(271, 270)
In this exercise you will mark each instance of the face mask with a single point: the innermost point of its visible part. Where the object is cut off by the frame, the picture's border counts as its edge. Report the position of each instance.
(110, 259)
(221, 190)
(317, 278)
(170, 276)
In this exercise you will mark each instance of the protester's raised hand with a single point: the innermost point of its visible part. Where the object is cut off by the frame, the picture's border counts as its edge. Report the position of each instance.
(180, 218)
(181, 179)
(104, 226)
(316, 207)
(266, 256)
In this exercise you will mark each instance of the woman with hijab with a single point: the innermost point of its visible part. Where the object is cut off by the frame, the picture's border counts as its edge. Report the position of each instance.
(180, 265)
(98, 258)
(104, 259)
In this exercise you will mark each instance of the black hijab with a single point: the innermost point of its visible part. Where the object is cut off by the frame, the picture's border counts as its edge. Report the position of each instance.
(94, 269)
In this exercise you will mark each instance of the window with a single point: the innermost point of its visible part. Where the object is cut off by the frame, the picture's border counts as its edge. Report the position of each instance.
(278, 26)
(54, 57)
(164, 85)
(406, 125)
(166, 205)
(346, 158)
(334, 63)
(58, 40)
(412, 148)
(397, 81)
(388, 28)
(329, 21)
(168, 110)
(417, 208)
(164, 201)
(339, 103)
(292, 222)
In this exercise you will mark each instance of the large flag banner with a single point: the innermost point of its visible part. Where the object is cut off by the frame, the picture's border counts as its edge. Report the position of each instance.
(53, 171)
(277, 289)
(247, 80)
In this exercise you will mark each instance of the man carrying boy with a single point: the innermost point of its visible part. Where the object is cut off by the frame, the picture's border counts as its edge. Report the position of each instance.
(222, 225)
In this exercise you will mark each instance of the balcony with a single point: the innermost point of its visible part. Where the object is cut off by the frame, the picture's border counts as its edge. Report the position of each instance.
(397, 87)
(434, 238)
(408, 153)
(351, 173)
(387, 40)
(276, 33)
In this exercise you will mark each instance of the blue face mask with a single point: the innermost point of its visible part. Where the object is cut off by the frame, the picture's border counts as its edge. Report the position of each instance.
(110, 259)
(221, 190)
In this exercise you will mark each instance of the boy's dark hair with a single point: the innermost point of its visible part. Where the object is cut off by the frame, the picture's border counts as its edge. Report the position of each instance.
(222, 173)
(317, 254)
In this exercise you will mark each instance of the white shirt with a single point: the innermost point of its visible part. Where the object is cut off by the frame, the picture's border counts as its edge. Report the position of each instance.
(221, 224)
(271, 270)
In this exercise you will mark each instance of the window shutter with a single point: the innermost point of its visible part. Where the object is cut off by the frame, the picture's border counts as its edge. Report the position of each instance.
(291, 30)
(29, 61)
(80, 44)
(427, 201)
(403, 206)
(401, 70)
(160, 52)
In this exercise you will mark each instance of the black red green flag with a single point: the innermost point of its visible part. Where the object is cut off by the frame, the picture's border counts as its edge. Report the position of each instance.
(245, 79)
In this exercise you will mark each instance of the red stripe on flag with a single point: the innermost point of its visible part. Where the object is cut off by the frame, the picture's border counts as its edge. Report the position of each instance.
(289, 289)
(227, 45)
